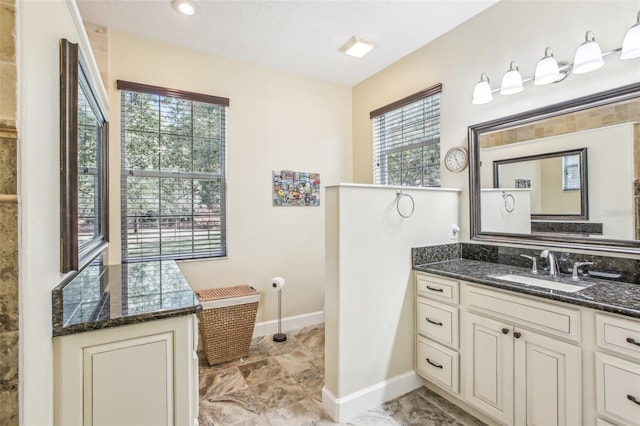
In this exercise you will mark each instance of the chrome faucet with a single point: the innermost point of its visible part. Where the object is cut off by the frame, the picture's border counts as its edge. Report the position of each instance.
(577, 266)
(554, 269)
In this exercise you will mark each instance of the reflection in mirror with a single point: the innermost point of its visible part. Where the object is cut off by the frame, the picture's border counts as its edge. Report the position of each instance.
(557, 181)
(526, 156)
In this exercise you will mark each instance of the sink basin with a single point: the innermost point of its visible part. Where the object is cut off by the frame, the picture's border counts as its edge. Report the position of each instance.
(544, 283)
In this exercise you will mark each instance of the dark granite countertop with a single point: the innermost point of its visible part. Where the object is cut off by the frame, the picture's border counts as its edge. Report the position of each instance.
(617, 297)
(108, 296)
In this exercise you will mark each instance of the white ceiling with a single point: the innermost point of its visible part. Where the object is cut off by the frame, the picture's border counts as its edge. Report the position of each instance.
(299, 36)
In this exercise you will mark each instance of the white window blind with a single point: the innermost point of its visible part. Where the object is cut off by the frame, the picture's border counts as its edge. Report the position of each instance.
(571, 172)
(406, 140)
(173, 174)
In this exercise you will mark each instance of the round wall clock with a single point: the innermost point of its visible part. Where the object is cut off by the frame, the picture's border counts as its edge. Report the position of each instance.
(456, 159)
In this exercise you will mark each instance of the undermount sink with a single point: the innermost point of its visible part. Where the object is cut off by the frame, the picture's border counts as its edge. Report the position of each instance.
(544, 283)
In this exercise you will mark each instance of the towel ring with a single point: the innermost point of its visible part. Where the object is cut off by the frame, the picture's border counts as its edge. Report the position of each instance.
(399, 195)
(506, 197)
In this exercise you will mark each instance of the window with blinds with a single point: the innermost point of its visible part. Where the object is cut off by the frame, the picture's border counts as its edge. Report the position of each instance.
(406, 140)
(571, 172)
(173, 173)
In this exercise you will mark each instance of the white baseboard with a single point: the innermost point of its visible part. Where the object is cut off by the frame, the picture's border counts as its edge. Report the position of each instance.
(345, 408)
(290, 323)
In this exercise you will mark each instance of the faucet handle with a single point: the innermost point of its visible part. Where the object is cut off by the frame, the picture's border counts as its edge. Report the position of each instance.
(576, 265)
(534, 267)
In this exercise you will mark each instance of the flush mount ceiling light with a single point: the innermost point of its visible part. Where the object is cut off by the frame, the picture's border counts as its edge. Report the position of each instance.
(357, 47)
(588, 57)
(185, 7)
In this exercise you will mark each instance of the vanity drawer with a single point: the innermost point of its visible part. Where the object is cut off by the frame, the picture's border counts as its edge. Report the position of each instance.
(619, 335)
(545, 317)
(617, 383)
(438, 322)
(436, 363)
(438, 288)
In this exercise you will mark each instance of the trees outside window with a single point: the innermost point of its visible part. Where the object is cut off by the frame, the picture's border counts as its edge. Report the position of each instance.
(173, 174)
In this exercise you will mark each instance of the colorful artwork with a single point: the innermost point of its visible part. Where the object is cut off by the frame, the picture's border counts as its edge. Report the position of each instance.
(523, 183)
(296, 188)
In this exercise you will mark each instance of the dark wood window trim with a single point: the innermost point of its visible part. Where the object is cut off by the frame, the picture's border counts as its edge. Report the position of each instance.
(163, 91)
(407, 100)
(73, 76)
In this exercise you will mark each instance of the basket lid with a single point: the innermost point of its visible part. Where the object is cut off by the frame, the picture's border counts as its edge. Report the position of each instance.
(225, 292)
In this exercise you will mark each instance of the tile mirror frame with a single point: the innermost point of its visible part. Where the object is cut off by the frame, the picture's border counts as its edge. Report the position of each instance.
(620, 94)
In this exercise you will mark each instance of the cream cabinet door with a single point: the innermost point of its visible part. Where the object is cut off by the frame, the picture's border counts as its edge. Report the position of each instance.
(547, 376)
(129, 382)
(489, 366)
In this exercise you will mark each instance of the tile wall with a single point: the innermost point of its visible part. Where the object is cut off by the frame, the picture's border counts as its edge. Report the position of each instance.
(8, 217)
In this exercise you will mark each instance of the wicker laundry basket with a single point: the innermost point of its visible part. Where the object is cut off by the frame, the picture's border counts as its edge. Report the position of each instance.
(227, 321)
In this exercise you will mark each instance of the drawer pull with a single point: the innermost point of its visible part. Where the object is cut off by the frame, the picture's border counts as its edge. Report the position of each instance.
(433, 322)
(505, 331)
(517, 334)
(439, 290)
(629, 397)
(632, 341)
(439, 366)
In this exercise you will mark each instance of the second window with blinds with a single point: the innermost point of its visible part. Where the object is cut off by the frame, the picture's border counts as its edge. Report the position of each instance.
(173, 173)
(406, 140)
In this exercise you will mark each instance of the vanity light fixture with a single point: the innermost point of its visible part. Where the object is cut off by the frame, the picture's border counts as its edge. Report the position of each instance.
(631, 42)
(357, 47)
(588, 57)
(547, 70)
(185, 7)
(482, 92)
(511, 81)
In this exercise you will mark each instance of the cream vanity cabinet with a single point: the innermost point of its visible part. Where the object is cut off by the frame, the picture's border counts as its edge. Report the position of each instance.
(139, 374)
(617, 362)
(437, 327)
(517, 370)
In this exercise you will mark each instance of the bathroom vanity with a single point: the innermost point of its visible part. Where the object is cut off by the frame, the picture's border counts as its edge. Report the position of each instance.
(522, 354)
(125, 342)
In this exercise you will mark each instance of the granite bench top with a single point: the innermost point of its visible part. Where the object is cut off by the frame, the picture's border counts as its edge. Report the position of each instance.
(108, 296)
(610, 296)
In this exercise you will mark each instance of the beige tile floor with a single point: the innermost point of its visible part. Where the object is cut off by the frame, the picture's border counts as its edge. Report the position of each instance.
(281, 384)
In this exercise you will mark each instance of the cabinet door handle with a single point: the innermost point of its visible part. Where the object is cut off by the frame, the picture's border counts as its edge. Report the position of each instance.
(439, 290)
(439, 366)
(629, 397)
(505, 331)
(433, 322)
(517, 334)
(632, 341)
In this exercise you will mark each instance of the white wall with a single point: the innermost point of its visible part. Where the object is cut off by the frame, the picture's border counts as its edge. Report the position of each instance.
(370, 298)
(609, 172)
(509, 30)
(40, 26)
(276, 121)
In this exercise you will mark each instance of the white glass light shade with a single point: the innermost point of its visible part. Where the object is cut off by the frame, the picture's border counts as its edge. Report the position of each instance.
(588, 56)
(184, 6)
(547, 70)
(482, 93)
(631, 43)
(511, 81)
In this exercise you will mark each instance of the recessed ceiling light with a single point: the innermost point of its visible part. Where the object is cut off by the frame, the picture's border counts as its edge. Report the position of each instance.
(185, 7)
(357, 47)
